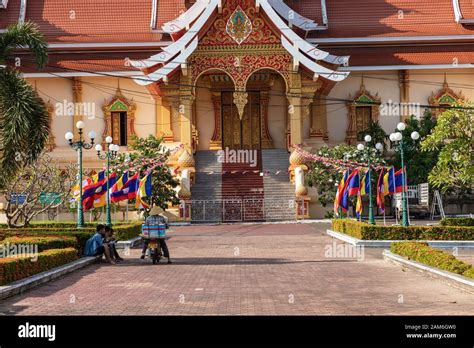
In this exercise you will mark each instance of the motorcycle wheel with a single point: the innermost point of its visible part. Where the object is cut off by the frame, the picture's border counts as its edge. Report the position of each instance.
(157, 256)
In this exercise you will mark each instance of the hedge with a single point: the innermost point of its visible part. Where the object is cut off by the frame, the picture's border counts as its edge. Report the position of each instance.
(16, 268)
(122, 232)
(457, 222)
(365, 231)
(427, 255)
(43, 242)
(66, 224)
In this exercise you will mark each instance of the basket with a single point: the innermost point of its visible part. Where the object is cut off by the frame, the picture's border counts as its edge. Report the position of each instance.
(150, 231)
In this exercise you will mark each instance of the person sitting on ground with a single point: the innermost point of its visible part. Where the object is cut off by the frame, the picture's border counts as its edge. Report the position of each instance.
(95, 245)
(112, 243)
(156, 218)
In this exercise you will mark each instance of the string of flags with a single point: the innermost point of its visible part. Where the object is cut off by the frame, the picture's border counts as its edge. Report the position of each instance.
(389, 182)
(243, 172)
(336, 163)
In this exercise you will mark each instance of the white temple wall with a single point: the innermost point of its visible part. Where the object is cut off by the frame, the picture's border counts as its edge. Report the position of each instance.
(383, 83)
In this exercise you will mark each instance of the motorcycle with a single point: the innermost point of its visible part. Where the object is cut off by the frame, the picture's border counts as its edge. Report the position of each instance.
(154, 250)
(153, 233)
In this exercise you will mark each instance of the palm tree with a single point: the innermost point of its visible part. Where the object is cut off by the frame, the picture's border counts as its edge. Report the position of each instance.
(24, 124)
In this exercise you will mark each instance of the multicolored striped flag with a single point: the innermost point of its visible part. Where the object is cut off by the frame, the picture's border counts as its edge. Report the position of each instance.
(359, 206)
(339, 191)
(365, 184)
(382, 190)
(128, 190)
(351, 188)
(144, 190)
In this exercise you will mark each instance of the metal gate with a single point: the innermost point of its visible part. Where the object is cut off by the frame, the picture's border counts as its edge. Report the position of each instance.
(240, 210)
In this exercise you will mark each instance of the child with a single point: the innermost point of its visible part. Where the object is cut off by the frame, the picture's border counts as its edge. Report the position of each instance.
(111, 242)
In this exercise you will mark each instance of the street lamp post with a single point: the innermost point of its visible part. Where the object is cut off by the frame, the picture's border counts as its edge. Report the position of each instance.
(111, 153)
(398, 137)
(361, 147)
(78, 146)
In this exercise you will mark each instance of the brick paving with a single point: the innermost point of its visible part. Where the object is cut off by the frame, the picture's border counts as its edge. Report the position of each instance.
(245, 270)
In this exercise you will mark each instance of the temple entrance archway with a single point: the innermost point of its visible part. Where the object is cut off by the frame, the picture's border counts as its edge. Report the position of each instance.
(241, 133)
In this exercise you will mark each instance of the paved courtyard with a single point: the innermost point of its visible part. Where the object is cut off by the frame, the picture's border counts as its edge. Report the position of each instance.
(245, 270)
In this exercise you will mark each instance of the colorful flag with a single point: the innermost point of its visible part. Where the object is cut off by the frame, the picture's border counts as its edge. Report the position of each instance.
(359, 206)
(97, 181)
(75, 190)
(339, 191)
(120, 182)
(365, 184)
(128, 190)
(381, 192)
(351, 187)
(399, 175)
(100, 176)
(100, 196)
(99, 190)
(389, 182)
(353, 183)
(144, 190)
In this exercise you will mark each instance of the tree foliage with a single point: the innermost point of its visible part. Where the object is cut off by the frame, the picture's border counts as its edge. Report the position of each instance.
(418, 163)
(163, 182)
(453, 138)
(32, 182)
(376, 132)
(24, 124)
(326, 178)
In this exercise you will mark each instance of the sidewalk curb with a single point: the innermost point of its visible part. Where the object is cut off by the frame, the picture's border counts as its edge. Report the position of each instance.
(123, 244)
(22, 285)
(453, 279)
(442, 244)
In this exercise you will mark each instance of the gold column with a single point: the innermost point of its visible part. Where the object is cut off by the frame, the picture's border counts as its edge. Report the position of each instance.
(185, 111)
(267, 142)
(76, 98)
(216, 141)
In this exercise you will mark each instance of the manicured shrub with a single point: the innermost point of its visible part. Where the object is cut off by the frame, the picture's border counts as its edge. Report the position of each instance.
(122, 232)
(362, 230)
(469, 273)
(457, 222)
(16, 268)
(127, 231)
(43, 242)
(427, 255)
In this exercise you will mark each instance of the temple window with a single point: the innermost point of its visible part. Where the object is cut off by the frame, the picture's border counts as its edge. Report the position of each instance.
(363, 110)
(444, 99)
(119, 119)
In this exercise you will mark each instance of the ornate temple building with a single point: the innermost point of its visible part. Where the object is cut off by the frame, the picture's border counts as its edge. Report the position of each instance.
(263, 75)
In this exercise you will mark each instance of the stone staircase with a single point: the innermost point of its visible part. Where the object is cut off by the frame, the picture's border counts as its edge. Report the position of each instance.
(238, 192)
(279, 193)
(207, 186)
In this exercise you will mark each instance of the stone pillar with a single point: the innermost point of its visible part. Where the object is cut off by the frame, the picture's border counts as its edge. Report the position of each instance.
(163, 120)
(76, 98)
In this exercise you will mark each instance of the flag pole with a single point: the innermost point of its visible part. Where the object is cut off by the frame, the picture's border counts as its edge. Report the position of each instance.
(126, 211)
